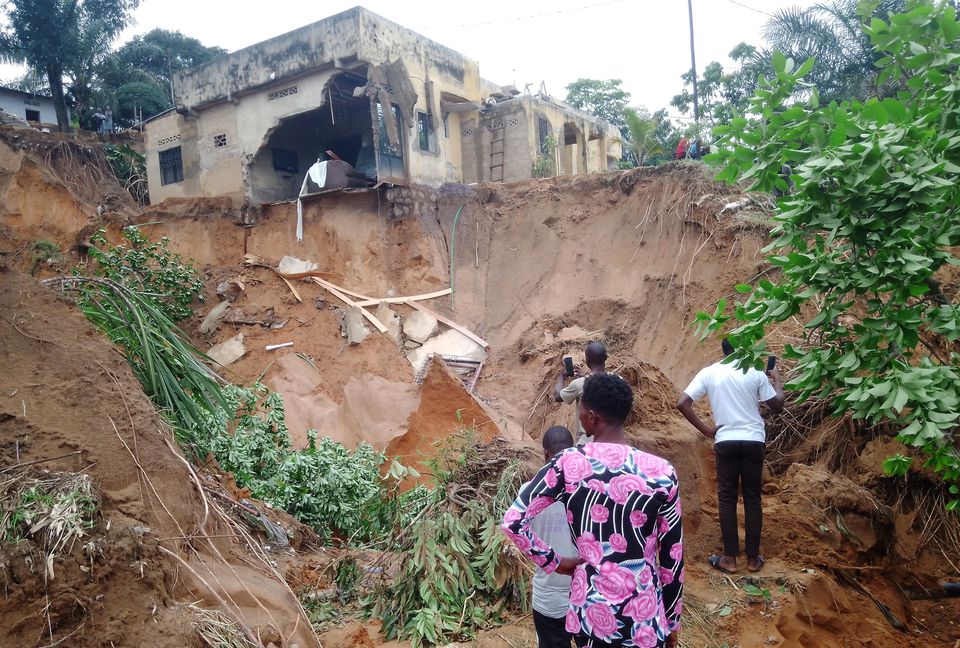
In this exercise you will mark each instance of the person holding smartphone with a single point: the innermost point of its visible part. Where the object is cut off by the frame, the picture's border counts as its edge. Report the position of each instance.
(739, 444)
(596, 357)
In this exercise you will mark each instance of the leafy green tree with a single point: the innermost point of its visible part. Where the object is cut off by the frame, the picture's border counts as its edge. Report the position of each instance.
(721, 94)
(643, 141)
(54, 37)
(603, 99)
(138, 75)
(832, 33)
(875, 215)
(153, 57)
(147, 97)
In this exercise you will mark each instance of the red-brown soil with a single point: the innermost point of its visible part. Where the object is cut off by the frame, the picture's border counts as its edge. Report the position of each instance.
(540, 268)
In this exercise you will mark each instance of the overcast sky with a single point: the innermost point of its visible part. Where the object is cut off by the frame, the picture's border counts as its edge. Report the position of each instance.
(643, 42)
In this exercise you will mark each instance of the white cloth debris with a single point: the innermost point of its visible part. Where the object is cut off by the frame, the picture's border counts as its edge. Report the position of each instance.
(317, 173)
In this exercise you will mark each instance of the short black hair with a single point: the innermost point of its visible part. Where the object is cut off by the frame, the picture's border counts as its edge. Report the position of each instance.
(596, 353)
(726, 346)
(556, 439)
(609, 396)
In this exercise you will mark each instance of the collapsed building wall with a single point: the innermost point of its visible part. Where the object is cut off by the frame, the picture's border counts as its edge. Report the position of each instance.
(243, 123)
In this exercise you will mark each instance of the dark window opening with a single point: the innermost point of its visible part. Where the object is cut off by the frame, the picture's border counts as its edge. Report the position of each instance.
(285, 161)
(33, 115)
(446, 124)
(171, 166)
(569, 134)
(426, 134)
(220, 140)
(543, 133)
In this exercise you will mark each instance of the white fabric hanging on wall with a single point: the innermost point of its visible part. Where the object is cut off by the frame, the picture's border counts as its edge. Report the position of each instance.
(317, 173)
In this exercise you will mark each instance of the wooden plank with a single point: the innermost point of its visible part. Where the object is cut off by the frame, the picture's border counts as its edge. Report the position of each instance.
(339, 295)
(401, 300)
(331, 286)
(449, 322)
(289, 285)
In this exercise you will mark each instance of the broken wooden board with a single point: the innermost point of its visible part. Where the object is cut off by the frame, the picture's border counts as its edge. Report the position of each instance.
(403, 300)
(449, 322)
(335, 291)
(253, 260)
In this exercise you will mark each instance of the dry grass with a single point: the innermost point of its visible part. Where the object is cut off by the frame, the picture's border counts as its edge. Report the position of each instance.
(699, 625)
(54, 509)
(218, 630)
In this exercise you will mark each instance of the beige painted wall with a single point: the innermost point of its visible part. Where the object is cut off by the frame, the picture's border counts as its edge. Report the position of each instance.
(222, 170)
(231, 97)
(157, 137)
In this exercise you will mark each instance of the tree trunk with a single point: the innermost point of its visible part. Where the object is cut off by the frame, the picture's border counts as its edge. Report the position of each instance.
(55, 79)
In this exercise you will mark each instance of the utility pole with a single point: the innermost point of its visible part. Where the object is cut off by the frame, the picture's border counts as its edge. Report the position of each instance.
(693, 66)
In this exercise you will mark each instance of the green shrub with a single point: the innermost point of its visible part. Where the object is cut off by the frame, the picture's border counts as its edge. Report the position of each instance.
(151, 269)
(334, 490)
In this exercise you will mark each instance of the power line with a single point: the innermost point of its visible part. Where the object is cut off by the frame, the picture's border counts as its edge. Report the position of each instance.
(759, 11)
(540, 15)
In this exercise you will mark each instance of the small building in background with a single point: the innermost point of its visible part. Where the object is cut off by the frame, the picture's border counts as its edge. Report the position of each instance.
(398, 108)
(31, 107)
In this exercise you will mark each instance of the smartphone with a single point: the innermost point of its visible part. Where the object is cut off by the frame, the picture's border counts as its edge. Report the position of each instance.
(771, 363)
(568, 365)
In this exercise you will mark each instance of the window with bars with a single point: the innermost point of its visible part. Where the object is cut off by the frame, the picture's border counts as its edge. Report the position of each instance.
(220, 140)
(171, 166)
(543, 133)
(426, 134)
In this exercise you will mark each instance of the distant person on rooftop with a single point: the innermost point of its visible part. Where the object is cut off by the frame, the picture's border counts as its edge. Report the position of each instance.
(551, 592)
(623, 509)
(596, 356)
(739, 438)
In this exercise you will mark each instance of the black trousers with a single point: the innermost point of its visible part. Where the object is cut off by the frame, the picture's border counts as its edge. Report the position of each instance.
(551, 633)
(740, 466)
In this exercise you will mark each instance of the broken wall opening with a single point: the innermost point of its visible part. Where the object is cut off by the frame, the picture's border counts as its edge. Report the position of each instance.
(571, 148)
(341, 124)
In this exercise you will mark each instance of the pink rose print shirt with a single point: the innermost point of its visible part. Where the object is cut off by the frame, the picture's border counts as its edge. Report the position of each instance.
(623, 507)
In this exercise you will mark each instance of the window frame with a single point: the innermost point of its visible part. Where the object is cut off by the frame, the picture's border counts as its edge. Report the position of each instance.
(174, 162)
(427, 141)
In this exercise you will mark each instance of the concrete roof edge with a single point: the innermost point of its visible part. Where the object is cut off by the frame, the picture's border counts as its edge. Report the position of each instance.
(179, 76)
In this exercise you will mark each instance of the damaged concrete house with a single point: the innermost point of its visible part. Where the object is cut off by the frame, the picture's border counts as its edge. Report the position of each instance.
(356, 88)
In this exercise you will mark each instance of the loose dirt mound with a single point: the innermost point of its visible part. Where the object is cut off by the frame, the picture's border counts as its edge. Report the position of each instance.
(65, 390)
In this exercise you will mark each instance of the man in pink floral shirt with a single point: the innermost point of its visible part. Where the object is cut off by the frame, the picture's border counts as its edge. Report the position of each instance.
(623, 507)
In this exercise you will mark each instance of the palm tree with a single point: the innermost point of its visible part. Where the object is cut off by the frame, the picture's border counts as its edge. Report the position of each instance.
(832, 33)
(642, 131)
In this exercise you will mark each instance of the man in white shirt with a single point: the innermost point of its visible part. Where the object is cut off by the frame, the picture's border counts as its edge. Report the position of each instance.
(551, 592)
(739, 438)
(596, 356)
